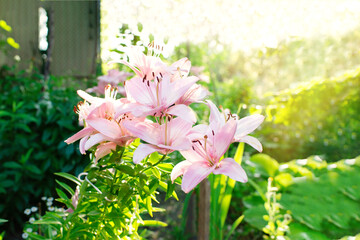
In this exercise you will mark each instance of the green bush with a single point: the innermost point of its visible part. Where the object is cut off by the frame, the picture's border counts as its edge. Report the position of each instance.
(323, 199)
(318, 117)
(35, 118)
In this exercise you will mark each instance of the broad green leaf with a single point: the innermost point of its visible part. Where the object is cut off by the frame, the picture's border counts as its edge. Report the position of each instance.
(165, 167)
(126, 169)
(156, 173)
(284, 179)
(269, 165)
(299, 231)
(254, 216)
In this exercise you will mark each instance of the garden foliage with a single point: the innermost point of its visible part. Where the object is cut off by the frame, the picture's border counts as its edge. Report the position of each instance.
(322, 198)
(35, 117)
(320, 117)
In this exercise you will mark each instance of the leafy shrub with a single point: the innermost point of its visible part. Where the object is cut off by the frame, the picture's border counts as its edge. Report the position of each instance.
(323, 199)
(34, 121)
(115, 199)
(318, 117)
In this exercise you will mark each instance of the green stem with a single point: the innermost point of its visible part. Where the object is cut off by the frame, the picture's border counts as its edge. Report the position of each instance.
(257, 188)
(162, 159)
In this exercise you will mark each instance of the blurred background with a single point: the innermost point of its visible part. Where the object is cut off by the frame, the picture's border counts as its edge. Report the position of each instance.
(296, 62)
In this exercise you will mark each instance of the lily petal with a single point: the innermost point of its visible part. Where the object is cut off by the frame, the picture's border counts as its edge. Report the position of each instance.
(180, 88)
(104, 149)
(184, 112)
(82, 133)
(248, 124)
(195, 173)
(94, 139)
(109, 128)
(179, 169)
(89, 98)
(252, 142)
(142, 151)
(82, 144)
(232, 169)
(140, 91)
(215, 115)
(224, 138)
(147, 131)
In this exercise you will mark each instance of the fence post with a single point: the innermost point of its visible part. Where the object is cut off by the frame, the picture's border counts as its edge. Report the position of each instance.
(204, 207)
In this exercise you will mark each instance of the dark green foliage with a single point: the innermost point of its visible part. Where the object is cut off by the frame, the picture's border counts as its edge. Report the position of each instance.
(35, 118)
(321, 117)
(323, 199)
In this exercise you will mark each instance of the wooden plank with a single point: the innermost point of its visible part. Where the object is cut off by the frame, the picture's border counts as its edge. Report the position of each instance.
(204, 207)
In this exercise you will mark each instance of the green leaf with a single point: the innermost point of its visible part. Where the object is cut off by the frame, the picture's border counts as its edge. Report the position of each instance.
(5, 26)
(153, 223)
(284, 179)
(165, 167)
(234, 226)
(126, 169)
(3, 220)
(156, 173)
(66, 187)
(266, 164)
(163, 186)
(33, 169)
(69, 177)
(47, 221)
(239, 153)
(169, 190)
(62, 194)
(149, 206)
(14, 165)
(36, 236)
(299, 231)
(254, 216)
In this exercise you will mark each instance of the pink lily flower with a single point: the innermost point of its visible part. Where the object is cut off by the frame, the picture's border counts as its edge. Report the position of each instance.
(204, 158)
(145, 67)
(244, 126)
(196, 93)
(113, 78)
(163, 138)
(179, 69)
(103, 124)
(158, 97)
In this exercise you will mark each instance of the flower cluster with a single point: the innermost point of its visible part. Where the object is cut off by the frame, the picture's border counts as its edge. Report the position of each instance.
(156, 110)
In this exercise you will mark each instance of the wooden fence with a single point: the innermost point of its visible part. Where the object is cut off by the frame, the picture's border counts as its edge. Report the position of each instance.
(75, 34)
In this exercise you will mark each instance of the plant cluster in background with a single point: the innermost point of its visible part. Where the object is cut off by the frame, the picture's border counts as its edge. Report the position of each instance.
(320, 117)
(322, 198)
(35, 117)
